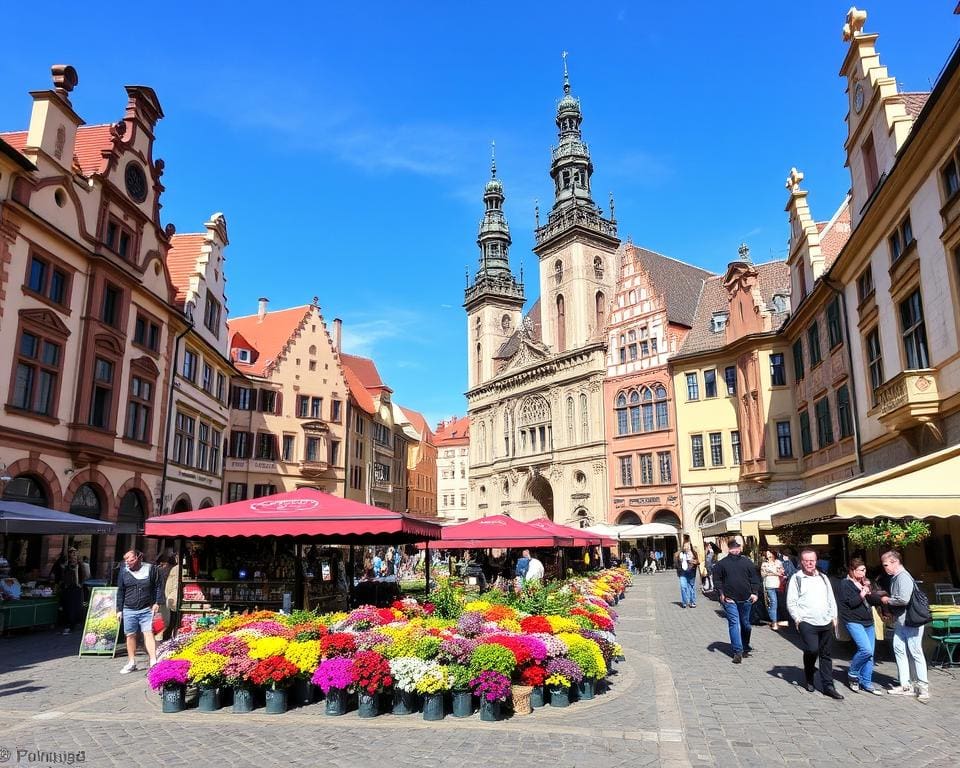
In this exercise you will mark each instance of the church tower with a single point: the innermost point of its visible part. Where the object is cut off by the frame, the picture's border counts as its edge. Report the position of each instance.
(577, 245)
(494, 299)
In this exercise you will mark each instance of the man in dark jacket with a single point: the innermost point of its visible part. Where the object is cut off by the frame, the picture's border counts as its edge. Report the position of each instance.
(738, 583)
(139, 594)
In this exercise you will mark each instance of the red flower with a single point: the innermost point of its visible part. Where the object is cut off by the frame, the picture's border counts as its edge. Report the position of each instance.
(429, 608)
(533, 675)
(337, 644)
(273, 670)
(533, 624)
(372, 671)
(386, 615)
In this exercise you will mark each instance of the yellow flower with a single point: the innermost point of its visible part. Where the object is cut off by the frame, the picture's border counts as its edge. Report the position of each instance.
(306, 655)
(262, 647)
(562, 624)
(207, 667)
(509, 625)
(480, 606)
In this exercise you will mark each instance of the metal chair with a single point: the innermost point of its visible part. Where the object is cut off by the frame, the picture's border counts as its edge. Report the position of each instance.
(941, 587)
(947, 642)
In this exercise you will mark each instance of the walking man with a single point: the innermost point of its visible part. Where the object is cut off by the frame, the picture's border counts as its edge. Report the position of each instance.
(736, 580)
(534, 568)
(907, 641)
(811, 604)
(139, 594)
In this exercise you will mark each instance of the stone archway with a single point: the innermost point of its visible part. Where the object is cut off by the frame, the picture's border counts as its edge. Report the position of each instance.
(182, 504)
(667, 517)
(538, 497)
(629, 518)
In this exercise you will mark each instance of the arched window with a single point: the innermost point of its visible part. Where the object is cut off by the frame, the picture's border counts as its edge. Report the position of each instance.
(27, 489)
(483, 442)
(571, 423)
(647, 410)
(535, 430)
(558, 271)
(561, 325)
(663, 411)
(623, 348)
(600, 311)
(506, 433)
(621, 414)
(584, 419)
(634, 412)
(479, 365)
(86, 502)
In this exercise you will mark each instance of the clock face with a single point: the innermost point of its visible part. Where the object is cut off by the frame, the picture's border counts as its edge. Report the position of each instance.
(136, 181)
(858, 98)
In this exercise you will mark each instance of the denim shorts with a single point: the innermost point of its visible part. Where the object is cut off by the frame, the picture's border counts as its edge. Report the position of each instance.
(137, 621)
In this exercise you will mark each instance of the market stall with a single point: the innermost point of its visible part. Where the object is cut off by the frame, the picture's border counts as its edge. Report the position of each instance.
(286, 551)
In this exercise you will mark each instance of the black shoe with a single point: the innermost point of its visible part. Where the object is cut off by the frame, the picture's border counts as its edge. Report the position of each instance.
(737, 658)
(810, 688)
(747, 652)
(833, 693)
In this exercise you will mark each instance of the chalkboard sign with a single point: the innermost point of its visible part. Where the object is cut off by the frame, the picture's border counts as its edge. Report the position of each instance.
(102, 628)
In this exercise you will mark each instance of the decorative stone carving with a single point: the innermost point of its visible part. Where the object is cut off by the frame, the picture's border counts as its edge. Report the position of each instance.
(61, 140)
(794, 179)
(598, 468)
(855, 21)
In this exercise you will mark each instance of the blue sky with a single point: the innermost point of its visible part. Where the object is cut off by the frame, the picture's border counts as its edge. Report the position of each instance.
(348, 147)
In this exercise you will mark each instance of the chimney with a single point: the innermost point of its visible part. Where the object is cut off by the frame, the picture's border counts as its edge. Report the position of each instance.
(337, 333)
(262, 308)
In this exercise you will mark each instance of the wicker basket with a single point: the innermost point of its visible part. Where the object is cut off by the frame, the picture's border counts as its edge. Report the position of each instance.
(521, 699)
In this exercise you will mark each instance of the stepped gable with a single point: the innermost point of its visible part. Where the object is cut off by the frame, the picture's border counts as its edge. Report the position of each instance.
(268, 335)
(834, 234)
(182, 259)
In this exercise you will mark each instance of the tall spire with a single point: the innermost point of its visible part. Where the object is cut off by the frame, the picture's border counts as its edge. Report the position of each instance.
(494, 278)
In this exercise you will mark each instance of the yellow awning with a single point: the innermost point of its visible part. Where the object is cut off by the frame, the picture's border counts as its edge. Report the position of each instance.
(922, 488)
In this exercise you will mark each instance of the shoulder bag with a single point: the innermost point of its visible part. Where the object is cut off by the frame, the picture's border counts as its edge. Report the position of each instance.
(918, 609)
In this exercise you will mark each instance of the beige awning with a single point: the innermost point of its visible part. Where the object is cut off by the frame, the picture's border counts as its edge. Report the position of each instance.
(922, 488)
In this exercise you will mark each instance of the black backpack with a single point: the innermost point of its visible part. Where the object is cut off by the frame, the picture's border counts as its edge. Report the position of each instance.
(918, 609)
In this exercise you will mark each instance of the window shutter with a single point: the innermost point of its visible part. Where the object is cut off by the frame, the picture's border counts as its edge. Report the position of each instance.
(250, 438)
(278, 405)
(275, 453)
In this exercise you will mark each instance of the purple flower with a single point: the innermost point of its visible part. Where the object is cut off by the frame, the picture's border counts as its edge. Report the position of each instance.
(369, 639)
(363, 617)
(553, 644)
(491, 685)
(238, 669)
(228, 645)
(335, 672)
(457, 650)
(268, 628)
(168, 672)
(566, 667)
(470, 623)
(536, 647)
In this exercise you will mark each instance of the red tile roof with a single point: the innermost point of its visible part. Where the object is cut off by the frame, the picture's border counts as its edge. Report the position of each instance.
(453, 432)
(365, 370)
(915, 102)
(267, 337)
(87, 152)
(834, 234)
(419, 423)
(360, 394)
(182, 262)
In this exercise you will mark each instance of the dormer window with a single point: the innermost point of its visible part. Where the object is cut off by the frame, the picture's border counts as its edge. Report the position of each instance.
(243, 356)
(119, 239)
(718, 322)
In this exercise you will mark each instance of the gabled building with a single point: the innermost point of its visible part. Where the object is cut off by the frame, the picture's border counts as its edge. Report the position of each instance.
(198, 422)
(288, 404)
(421, 462)
(652, 311)
(87, 311)
(452, 439)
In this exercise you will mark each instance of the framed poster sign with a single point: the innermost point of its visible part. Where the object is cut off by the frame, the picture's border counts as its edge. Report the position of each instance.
(101, 629)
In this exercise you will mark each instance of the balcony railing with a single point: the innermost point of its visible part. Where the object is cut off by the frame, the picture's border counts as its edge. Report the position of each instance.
(909, 399)
(310, 468)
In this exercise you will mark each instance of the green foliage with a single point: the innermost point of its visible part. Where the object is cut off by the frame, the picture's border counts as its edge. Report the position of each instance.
(426, 647)
(460, 676)
(888, 534)
(492, 656)
(301, 617)
(549, 599)
(448, 600)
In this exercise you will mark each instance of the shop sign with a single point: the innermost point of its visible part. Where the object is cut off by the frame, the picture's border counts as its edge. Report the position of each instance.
(101, 628)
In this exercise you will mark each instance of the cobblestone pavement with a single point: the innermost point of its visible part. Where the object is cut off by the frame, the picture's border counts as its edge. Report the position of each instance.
(676, 702)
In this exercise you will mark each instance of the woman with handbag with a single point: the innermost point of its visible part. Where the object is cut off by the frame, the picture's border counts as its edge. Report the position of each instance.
(856, 613)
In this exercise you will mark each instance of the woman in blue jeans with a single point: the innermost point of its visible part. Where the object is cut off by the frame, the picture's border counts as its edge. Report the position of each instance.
(857, 616)
(771, 570)
(686, 563)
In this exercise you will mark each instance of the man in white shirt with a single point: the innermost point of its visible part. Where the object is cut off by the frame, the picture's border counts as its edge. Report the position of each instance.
(812, 606)
(534, 568)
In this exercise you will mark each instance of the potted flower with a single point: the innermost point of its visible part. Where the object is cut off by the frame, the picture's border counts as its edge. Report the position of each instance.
(493, 656)
(274, 673)
(534, 675)
(433, 682)
(206, 672)
(492, 688)
(305, 655)
(336, 678)
(372, 673)
(337, 644)
(171, 676)
(462, 696)
(561, 674)
(236, 674)
(586, 654)
(406, 671)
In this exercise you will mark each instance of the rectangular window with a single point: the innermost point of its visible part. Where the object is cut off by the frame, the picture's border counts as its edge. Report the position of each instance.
(216, 440)
(778, 370)
(798, 359)
(626, 470)
(874, 361)
(303, 406)
(263, 489)
(190, 363)
(730, 377)
(865, 284)
(313, 449)
(696, 448)
(710, 383)
(244, 398)
(646, 469)
(48, 281)
(139, 408)
(644, 349)
(735, 448)
(716, 449)
(806, 441)
(632, 348)
(38, 369)
(316, 407)
(110, 305)
(666, 467)
(211, 315)
(102, 396)
(821, 409)
(951, 179)
(784, 440)
(241, 445)
(146, 333)
(183, 438)
(266, 448)
(236, 492)
(844, 414)
(834, 331)
(381, 472)
(813, 343)
(870, 169)
(914, 333)
(900, 239)
(693, 387)
(288, 447)
(335, 407)
(206, 381)
(39, 271)
(221, 386)
(334, 452)
(267, 401)
(203, 445)
(381, 434)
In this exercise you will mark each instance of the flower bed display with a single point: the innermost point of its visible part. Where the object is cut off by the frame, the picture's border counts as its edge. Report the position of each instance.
(412, 650)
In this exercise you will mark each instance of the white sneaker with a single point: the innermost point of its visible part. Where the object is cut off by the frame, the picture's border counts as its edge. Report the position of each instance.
(130, 666)
(899, 690)
(923, 692)
(153, 663)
